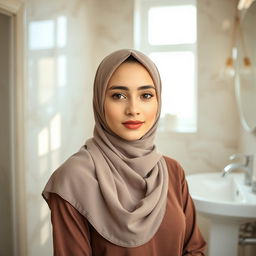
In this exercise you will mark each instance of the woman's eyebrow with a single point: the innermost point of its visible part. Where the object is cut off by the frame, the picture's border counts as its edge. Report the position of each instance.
(119, 87)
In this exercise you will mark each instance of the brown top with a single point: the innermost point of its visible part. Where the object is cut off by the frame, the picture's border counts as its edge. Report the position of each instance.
(177, 235)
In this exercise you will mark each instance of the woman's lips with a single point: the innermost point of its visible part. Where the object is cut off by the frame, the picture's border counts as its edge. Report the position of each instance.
(133, 124)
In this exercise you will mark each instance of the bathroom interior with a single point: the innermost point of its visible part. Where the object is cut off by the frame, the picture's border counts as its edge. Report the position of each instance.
(49, 53)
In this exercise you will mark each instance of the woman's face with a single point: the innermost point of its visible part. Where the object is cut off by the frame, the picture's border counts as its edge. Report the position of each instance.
(130, 96)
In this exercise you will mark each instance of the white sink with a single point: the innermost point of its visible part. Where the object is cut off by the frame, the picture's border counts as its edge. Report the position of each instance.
(227, 203)
(223, 196)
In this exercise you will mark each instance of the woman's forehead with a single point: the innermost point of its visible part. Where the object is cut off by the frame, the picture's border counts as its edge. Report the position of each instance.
(129, 88)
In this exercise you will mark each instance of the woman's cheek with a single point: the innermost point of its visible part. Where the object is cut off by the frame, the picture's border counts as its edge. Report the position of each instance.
(152, 111)
(113, 110)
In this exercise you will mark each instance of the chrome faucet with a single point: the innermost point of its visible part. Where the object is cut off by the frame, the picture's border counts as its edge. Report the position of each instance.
(247, 167)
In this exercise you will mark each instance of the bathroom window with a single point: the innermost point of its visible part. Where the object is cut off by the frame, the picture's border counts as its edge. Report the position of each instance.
(166, 30)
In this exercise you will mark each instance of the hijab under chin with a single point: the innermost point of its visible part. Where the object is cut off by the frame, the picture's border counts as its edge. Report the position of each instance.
(120, 186)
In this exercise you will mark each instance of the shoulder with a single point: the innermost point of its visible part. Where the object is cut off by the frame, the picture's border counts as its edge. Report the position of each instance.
(171, 162)
(76, 172)
(76, 164)
(175, 170)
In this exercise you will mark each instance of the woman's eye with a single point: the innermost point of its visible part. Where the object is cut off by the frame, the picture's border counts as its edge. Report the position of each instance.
(118, 96)
(147, 95)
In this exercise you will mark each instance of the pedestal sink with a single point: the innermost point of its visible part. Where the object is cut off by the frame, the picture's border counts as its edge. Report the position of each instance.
(227, 203)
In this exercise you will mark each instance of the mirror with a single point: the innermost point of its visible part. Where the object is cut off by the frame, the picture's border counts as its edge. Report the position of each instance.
(245, 79)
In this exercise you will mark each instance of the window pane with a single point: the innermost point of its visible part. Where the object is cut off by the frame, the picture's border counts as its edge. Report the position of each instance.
(172, 25)
(61, 31)
(41, 35)
(177, 70)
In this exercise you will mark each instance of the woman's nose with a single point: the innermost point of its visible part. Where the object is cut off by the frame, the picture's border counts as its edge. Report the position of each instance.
(132, 107)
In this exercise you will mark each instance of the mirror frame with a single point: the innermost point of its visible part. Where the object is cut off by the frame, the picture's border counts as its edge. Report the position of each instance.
(240, 110)
(243, 120)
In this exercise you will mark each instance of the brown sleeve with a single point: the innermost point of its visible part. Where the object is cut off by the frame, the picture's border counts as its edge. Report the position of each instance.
(194, 244)
(71, 234)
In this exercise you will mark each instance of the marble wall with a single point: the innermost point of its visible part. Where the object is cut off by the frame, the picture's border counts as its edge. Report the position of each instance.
(59, 91)
(58, 100)
(113, 27)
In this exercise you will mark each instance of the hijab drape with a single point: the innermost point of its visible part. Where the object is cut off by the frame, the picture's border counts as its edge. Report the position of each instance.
(119, 186)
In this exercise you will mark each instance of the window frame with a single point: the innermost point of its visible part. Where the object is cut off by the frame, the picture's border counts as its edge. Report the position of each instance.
(141, 42)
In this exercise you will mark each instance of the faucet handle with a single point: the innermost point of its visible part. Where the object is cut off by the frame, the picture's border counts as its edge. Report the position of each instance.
(248, 158)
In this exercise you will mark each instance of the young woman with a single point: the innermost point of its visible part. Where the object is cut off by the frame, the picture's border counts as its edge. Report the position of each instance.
(119, 196)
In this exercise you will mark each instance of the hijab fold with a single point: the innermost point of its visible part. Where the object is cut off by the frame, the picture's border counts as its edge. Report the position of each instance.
(119, 186)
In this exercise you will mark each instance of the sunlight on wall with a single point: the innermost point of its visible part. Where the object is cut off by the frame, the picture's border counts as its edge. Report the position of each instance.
(45, 230)
(62, 71)
(49, 141)
(47, 41)
(55, 132)
(46, 75)
(43, 142)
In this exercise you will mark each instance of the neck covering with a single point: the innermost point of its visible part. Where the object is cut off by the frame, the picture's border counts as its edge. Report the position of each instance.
(120, 186)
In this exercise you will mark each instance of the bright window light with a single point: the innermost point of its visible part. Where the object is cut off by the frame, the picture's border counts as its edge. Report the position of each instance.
(47, 34)
(178, 94)
(41, 35)
(166, 30)
(61, 31)
(176, 86)
(172, 25)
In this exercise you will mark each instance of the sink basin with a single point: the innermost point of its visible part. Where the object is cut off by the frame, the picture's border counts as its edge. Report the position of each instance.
(223, 196)
(226, 202)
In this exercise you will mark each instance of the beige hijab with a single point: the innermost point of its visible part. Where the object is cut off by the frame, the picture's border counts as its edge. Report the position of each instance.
(119, 186)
